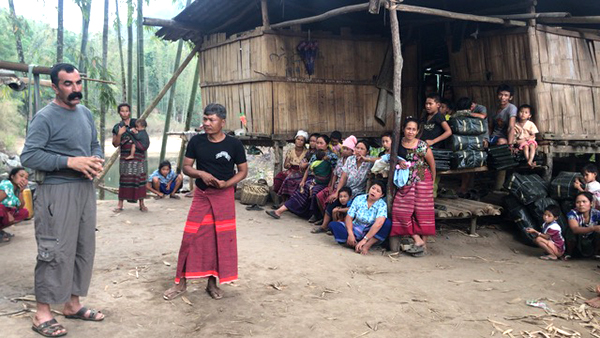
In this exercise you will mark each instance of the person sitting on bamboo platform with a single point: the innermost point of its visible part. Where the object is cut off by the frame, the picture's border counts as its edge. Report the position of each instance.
(366, 222)
(347, 151)
(335, 211)
(434, 127)
(165, 181)
(584, 222)
(132, 173)
(138, 134)
(335, 140)
(12, 204)
(304, 201)
(412, 213)
(502, 124)
(209, 244)
(286, 182)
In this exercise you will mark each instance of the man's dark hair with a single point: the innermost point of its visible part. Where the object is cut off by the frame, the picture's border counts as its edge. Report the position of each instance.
(67, 67)
(124, 104)
(336, 135)
(435, 96)
(590, 168)
(216, 109)
(141, 123)
(164, 164)
(553, 209)
(505, 88)
(345, 189)
(464, 103)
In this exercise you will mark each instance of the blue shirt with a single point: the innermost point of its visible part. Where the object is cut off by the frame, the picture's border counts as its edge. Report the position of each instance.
(363, 216)
(163, 180)
(594, 218)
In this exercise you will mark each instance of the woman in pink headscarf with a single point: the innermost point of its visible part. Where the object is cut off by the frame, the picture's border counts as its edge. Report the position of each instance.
(347, 151)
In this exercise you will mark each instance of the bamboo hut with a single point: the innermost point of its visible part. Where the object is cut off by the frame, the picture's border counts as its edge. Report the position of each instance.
(251, 62)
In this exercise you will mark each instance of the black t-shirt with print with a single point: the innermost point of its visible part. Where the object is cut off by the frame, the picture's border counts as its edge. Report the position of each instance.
(433, 128)
(217, 159)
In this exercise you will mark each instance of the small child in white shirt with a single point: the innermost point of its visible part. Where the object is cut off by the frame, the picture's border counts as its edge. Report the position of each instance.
(590, 183)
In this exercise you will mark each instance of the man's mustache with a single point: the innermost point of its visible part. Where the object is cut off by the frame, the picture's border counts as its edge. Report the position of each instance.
(75, 95)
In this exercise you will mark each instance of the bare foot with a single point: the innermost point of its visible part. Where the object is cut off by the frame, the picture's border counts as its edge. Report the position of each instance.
(214, 291)
(143, 208)
(594, 302)
(174, 292)
(129, 158)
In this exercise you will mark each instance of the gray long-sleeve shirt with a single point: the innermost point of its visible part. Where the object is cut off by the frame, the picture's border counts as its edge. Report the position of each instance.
(55, 134)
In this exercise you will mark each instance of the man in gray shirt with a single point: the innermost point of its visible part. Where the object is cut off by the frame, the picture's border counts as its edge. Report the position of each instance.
(62, 144)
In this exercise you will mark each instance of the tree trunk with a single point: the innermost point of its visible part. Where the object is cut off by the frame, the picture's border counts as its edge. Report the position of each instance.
(120, 41)
(130, 51)
(190, 110)
(165, 137)
(85, 6)
(140, 58)
(59, 33)
(17, 30)
(104, 86)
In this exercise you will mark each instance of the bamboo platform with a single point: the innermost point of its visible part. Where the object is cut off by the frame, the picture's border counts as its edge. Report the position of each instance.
(461, 208)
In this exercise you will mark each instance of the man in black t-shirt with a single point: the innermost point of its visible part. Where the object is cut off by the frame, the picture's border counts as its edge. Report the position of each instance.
(209, 244)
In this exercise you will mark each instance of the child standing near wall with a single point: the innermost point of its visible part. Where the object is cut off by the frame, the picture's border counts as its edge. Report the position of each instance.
(435, 127)
(525, 131)
(590, 183)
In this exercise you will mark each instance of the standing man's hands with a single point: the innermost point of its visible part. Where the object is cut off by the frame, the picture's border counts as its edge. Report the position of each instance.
(89, 166)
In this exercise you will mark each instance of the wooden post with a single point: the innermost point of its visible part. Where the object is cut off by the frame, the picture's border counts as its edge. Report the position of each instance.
(150, 108)
(264, 8)
(36, 93)
(374, 6)
(398, 62)
(190, 110)
(278, 165)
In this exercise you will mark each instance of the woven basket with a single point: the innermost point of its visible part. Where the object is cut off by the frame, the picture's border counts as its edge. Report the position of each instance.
(255, 193)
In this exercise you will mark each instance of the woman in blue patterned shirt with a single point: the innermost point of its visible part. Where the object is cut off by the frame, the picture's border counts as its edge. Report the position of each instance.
(366, 222)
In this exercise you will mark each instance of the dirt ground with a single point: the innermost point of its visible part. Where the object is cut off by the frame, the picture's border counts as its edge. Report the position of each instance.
(297, 284)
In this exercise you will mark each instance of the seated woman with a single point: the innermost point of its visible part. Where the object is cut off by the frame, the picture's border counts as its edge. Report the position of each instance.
(323, 195)
(286, 182)
(164, 181)
(304, 201)
(584, 222)
(11, 201)
(366, 222)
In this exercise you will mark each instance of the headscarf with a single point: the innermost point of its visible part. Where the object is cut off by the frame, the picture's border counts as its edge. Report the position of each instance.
(350, 142)
(303, 134)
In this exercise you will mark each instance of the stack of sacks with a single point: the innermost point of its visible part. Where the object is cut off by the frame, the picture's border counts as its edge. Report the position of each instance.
(500, 157)
(467, 141)
(562, 188)
(442, 159)
(539, 159)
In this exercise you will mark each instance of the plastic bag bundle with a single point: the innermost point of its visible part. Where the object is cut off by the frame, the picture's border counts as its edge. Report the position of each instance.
(465, 142)
(518, 213)
(442, 159)
(500, 158)
(468, 125)
(526, 188)
(469, 159)
(562, 187)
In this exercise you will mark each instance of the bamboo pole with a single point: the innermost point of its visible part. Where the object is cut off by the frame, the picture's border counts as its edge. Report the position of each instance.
(190, 110)
(264, 8)
(398, 63)
(374, 6)
(584, 20)
(150, 108)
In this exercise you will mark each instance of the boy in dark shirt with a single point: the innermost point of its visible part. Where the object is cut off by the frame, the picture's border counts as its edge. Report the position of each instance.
(435, 127)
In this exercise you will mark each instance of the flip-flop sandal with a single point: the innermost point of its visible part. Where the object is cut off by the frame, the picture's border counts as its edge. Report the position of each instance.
(173, 295)
(175, 197)
(276, 206)
(318, 230)
(415, 249)
(273, 214)
(47, 329)
(213, 294)
(117, 210)
(6, 234)
(254, 207)
(81, 315)
(419, 254)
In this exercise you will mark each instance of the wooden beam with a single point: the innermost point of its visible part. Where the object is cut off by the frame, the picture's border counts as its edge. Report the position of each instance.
(291, 80)
(398, 63)
(514, 83)
(572, 32)
(578, 20)
(233, 20)
(23, 67)
(264, 8)
(374, 6)
(166, 23)
(150, 108)
(402, 8)
(571, 82)
(526, 16)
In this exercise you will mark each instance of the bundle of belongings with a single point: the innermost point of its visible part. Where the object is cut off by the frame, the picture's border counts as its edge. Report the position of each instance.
(467, 141)
(501, 158)
(442, 159)
(526, 204)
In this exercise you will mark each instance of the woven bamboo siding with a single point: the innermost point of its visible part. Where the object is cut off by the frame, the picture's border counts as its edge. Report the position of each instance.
(263, 76)
(569, 90)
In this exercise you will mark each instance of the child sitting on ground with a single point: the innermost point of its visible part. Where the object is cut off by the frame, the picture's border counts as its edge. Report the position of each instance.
(550, 238)
(590, 183)
(336, 211)
(137, 133)
(525, 131)
(164, 181)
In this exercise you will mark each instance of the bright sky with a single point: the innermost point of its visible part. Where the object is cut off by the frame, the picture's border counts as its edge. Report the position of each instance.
(45, 10)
